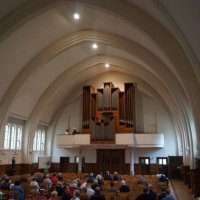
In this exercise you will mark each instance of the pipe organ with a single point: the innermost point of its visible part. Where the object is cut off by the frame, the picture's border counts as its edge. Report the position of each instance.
(107, 111)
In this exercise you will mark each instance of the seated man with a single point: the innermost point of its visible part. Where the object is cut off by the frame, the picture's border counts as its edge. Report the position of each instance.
(98, 195)
(107, 176)
(124, 187)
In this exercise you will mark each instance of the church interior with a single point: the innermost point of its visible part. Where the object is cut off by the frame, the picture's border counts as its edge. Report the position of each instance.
(100, 85)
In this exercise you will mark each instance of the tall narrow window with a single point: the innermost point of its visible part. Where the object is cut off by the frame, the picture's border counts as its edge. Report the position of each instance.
(39, 139)
(13, 136)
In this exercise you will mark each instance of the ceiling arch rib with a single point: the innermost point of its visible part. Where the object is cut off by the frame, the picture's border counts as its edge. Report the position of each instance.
(75, 39)
(180, 36)
(49, 53)
(127, 11)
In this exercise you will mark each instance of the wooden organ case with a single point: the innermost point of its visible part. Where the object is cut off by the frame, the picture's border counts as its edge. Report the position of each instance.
(107, 111)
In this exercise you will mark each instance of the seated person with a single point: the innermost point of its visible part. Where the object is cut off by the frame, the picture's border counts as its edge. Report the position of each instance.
(53, 195)
(6, 184)
(17, 186)
(72, 188)
(54, 179)
(34, 186)
(124, 187)
(98, 195)
(60, 177)
(107, 176)
(168, 195)
(163, 178)
(144, 195)
(95, 184)
(142, 181)
(99, 178)
(151, 194)
(91, 178)
(116, 177)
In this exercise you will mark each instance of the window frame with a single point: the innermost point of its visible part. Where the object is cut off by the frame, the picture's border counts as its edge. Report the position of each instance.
(39, 140)
(13, 135)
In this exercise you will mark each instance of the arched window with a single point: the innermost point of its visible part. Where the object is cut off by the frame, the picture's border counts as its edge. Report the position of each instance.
(39, 139)
(13, 136)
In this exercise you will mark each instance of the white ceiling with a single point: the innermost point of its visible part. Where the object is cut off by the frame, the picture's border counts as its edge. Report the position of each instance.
(46, 56)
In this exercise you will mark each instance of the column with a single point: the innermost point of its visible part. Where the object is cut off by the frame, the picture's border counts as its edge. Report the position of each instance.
(132, 172)
(80, 162)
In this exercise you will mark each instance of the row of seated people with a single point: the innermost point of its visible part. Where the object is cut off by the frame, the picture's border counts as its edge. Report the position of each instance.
(58, 188)
(106, 176)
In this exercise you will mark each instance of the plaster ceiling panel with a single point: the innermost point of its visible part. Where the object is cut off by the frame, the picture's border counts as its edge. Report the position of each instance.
(93, 19)
(186, 17)
(39, 80)
(23, 44)
(153, 10)
(8, 6)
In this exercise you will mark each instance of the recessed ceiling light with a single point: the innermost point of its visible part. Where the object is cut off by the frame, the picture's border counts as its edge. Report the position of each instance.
(94, 46)
(76, 16)
(107, 65)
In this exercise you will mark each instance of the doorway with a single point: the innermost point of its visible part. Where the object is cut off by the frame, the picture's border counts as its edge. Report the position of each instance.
(144, 165)
(162, 165)
(64, 164)
(111, 160)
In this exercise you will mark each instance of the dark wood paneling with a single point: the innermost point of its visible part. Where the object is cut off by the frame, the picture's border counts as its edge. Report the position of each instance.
(111, 160)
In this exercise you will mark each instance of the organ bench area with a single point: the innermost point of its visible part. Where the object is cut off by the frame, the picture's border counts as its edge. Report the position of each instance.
(107, 111)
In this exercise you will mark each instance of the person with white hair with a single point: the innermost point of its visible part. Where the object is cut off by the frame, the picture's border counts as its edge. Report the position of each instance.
(90, 191)
(48, 181)
(124, 187)
(116, 177)
(99, 178)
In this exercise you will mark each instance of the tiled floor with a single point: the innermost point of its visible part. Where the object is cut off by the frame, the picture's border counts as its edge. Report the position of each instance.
(180, 190)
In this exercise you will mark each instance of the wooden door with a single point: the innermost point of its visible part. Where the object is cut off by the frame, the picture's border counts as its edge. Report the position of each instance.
(64, 163)
(144, 165)
(162, 165)
(111, 160)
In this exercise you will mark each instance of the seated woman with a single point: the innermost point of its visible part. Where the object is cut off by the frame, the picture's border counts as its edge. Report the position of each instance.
(124, 187)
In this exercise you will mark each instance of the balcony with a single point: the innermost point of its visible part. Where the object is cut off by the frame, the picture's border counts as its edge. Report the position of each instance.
(122, 140)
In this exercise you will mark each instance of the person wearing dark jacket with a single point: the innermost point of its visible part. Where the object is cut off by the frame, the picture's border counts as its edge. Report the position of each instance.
(97, 195)
(124, 187)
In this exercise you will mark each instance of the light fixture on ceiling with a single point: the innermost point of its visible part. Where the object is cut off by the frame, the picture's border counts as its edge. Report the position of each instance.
(94, 46)
(107, 65)
(76, 16)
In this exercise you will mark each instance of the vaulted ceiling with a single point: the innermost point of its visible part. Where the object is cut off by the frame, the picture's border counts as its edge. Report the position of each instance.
(46, 56)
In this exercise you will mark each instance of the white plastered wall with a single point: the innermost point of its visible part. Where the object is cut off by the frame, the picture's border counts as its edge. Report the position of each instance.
(146, 106)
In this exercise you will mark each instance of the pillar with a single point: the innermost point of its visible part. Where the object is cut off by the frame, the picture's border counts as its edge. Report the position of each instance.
(132, 172)
(80, 162)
